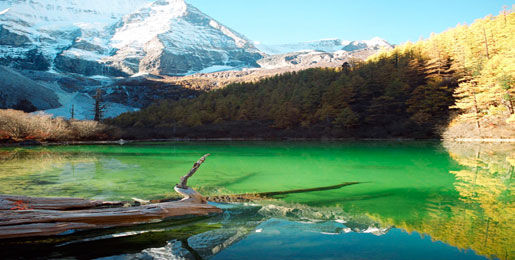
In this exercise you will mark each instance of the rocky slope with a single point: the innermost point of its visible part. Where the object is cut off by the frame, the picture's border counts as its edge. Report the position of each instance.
(15, 89)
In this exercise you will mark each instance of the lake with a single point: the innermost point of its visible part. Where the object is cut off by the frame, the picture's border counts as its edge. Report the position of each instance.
(415, 199)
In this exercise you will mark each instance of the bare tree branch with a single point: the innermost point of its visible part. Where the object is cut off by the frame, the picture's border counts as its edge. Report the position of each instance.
(184, 179)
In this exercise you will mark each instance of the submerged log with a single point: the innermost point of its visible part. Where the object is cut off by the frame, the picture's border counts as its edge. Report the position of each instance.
(275, 193)
(29, 217)
(271, 194)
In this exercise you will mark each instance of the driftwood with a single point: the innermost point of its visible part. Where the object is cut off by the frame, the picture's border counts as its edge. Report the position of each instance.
(22, 216)
(188, 193)
(184, 179)
(28, 217)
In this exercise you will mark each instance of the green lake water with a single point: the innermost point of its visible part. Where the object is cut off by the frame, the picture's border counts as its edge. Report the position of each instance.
(415, 200)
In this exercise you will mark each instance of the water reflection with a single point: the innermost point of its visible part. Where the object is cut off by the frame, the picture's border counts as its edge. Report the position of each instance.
(482, 216)
(45, 172)
(486, 192)
(410, 208)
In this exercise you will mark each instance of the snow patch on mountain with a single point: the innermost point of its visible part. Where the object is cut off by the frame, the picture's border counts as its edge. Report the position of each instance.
(217, 68)
(148, 23)
(377, 41)
(325, 45)
(4, 11)
(83, 106)
(240, 42)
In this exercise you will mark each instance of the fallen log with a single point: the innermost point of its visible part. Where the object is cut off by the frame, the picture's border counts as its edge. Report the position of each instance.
(22, 216)
(246, 197)
(24, 203)
(275, 193)
(29, 217)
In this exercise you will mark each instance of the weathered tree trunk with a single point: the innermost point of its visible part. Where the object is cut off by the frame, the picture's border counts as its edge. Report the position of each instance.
(27, 216)
(188, 193)
(486, 44)
(22, 216)
(476, 110)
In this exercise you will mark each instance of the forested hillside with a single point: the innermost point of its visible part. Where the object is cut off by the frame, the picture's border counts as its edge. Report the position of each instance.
(412, 91)
(481, 58)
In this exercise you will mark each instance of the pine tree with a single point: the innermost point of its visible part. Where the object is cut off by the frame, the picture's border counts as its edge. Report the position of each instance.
(100, 107)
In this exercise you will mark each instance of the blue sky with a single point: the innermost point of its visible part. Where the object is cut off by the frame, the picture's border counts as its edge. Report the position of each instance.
(397, 21)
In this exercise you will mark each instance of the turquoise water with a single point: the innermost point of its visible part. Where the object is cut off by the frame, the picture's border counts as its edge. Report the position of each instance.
(416, 200)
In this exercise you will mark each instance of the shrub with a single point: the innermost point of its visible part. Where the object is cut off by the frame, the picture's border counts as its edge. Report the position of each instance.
(17, 125)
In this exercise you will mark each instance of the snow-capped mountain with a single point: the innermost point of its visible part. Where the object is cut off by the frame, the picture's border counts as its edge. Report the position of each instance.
(375, 43)
(117, 37)
(326, 45)
(323, 53)
(67, 49)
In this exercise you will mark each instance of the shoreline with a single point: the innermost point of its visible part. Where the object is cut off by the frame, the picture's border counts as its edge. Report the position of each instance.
(482, 140)
(123, 142)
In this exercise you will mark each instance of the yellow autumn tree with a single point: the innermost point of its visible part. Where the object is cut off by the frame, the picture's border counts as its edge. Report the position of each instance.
(481, 58)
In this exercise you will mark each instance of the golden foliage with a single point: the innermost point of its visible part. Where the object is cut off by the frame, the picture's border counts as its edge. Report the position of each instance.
(483, 216)
(481, 57)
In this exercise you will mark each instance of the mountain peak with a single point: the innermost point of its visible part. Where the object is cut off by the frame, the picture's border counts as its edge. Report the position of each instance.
(377, 41)
(148, 23)
(118, 37)
(377, 38)
(178, 6)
